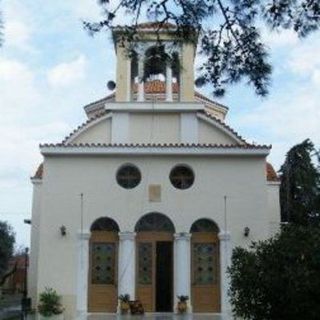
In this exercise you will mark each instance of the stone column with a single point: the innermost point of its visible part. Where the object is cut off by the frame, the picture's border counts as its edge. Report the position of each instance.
(182, 267)
(127, 263)
(140, 79)
(169, 83)
(129, 77)
(225, 261)
(82, 272)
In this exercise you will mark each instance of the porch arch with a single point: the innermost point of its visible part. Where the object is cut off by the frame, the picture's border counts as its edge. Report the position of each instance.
(204, 225)
(103, 265)
(154, 271)
(154, 221)
(105, 224)
(205, 266)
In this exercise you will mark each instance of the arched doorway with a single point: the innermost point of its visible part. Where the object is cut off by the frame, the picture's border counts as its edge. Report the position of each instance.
(155, 262)
(205, 270)
(103, 265)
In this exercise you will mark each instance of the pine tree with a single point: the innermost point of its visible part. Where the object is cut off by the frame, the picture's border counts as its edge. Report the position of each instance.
(300, 185)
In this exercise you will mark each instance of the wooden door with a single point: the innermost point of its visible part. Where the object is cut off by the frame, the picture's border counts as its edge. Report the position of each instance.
(205, 272)
(102, 288)
(146, 277)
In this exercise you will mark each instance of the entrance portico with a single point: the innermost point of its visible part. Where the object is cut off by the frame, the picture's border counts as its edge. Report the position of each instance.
(155, 264)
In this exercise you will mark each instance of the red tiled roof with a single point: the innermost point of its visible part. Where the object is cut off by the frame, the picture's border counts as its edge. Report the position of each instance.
(156, 86)
(97, 116)
(39, 172)
(212, 117)
(156, 25)
(271, 173)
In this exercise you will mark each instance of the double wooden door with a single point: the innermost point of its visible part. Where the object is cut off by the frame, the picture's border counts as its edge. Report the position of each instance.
(102, 282)
(155, 271)
(205, 272)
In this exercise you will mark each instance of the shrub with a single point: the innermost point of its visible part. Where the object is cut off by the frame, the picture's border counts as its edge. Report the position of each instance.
(50, 303)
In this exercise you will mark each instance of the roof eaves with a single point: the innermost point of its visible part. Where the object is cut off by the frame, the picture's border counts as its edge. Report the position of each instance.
(153, 145)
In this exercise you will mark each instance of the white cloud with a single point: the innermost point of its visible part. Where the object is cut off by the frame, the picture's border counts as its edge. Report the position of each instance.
(285, 119)
(68, 73)
(275, 39)
(316, 77)
(86, 9)
(18, 92)
(304, 58)
(18, 25)
(18, 34)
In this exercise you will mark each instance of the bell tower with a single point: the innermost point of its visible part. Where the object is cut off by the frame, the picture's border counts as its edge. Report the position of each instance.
(156, 65)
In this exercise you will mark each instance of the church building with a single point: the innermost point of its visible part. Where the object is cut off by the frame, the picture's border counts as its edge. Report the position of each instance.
(150, 195)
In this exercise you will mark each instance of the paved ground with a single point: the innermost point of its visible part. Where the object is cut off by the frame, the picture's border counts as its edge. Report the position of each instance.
(10, 306)
(157, 316)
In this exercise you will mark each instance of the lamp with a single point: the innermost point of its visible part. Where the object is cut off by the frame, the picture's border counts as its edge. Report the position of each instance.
(246, 231)
(63, 231)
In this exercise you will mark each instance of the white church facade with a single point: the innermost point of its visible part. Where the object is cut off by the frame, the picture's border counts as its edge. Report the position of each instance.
(149, 196)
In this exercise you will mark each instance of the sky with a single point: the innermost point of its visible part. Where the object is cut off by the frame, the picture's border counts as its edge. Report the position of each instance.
(50, 68)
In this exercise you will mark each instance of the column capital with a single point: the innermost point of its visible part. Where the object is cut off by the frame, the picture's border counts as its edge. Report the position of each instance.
(182, 236)
(127, 235)
(224, 236)
(84, 234)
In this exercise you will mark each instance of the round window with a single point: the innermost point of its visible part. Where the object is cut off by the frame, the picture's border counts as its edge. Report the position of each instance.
(182, 177)
(128, 176)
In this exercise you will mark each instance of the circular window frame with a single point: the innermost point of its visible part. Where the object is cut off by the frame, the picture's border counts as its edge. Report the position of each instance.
(184, 166)
(124, 166)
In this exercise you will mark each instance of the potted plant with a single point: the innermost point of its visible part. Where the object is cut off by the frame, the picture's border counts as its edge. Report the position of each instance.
(50, 307)
(182, 304)
(124, 303)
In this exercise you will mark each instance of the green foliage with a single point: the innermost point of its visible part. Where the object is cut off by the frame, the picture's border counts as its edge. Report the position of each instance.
(124, 297)
(300, 185)
(183, 298)
(7, 240)
(278, 278)
(229, 35)
(50, 303)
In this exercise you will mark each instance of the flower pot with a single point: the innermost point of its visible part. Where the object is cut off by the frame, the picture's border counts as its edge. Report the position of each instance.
(53, 317)
(124, 306)
(182, 307)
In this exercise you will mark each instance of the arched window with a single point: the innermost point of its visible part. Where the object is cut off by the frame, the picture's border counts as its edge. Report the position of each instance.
(204, 225)
(155, 222)
(104, 224)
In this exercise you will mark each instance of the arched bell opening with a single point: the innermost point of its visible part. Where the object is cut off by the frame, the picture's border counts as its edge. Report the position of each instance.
(155, 62)
(154, 278)
(205, 266)
(103, 266)
(155, 74)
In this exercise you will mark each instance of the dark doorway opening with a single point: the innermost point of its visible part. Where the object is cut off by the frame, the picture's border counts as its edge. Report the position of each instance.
(164, 276)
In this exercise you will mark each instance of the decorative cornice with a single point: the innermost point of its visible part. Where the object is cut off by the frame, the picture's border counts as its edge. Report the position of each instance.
(84, 235)
(127, 235)
(224, 236)
(164, 106)
(36, 181)
(273, 183)
(186, 236)
(154, 149)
